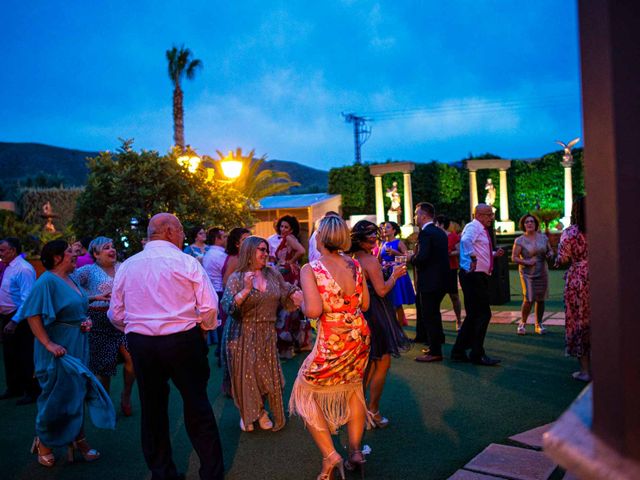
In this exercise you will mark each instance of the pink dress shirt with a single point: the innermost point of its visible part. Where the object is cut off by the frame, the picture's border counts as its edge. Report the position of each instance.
(475, 240)
(161, 291)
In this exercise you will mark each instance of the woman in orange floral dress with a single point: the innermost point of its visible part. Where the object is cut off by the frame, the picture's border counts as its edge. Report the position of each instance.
(328, 392)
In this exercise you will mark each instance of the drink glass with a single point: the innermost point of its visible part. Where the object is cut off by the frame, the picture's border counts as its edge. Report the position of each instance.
(401, 259)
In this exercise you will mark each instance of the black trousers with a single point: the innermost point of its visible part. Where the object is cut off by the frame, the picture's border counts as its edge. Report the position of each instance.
(430, 320)
(475, 286)
(18, 358)
(181, 357)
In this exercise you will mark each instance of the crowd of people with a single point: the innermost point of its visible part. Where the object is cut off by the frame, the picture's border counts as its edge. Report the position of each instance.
(160, 310)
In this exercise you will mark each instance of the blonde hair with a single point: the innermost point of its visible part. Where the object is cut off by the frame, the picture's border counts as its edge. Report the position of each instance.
(334, 234)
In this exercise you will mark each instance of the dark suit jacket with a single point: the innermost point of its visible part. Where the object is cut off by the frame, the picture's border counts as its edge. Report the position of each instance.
(431, 260)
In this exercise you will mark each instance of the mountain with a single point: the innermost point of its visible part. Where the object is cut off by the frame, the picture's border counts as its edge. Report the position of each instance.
(19, 161)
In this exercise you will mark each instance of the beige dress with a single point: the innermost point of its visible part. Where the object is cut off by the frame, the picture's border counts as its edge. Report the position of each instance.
(534, 278)
(250, 346)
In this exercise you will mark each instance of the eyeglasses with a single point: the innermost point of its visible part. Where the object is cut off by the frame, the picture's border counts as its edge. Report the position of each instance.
(263, 249)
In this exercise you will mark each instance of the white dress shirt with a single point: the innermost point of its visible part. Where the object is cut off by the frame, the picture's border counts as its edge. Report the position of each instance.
(161, 291)
(274, 242)
(17, 282)
(213, 262)
(475, 240)
(314, 254)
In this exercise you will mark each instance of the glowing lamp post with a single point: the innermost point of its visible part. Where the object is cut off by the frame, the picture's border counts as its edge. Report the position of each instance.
(189, 161)
(231, 168)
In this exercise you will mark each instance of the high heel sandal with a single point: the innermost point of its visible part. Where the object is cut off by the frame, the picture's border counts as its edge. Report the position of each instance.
(336, 463)
(375, 420)
(47, 459)
(264, 421)
(89, 454)
(356, 460)
(246, 428)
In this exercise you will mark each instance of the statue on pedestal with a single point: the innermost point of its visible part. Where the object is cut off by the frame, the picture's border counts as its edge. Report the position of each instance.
(395, 210)
(48, 215)
(490, 198)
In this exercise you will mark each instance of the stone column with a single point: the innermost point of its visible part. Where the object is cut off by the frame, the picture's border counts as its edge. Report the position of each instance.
(473, 190)
(504, 199)
(379, 199)
(568, 196)
(408, 199)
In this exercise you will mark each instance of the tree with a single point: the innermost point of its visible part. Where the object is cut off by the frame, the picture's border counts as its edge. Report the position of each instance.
(125, 189)
(256, 182)
(181, 64)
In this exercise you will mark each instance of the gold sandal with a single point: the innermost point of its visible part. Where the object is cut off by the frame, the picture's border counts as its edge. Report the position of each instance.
(46, 459)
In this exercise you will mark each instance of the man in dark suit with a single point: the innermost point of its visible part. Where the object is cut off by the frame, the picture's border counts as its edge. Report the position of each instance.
(432, 264)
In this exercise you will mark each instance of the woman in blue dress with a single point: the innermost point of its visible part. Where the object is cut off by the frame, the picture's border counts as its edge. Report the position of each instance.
(198, 246)
(403, 292)
(56, 310)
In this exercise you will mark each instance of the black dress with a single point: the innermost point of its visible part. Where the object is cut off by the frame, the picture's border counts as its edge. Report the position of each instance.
(387, 336)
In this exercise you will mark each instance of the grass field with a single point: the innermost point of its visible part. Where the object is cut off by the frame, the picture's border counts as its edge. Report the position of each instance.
(441, 415)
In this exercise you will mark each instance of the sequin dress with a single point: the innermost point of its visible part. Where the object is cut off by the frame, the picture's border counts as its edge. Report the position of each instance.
(334, 369)
(534, 278)
(249, 343)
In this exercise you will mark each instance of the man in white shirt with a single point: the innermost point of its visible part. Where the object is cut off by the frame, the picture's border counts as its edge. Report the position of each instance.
(213, 262)
(314, 254)
(163, 300)
(476, 265)
(17, 282)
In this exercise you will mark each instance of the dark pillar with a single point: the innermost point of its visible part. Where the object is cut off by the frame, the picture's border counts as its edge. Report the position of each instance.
(610, 49)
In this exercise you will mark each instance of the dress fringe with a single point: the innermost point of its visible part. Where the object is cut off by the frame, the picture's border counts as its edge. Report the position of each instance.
(324, 406)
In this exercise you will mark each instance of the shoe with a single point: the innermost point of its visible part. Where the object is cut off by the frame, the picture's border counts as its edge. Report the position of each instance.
(47, 459)
(9, 394)
(428, 358)
(330, 463)
(460, 357)
(581, 376)
(246, 428)
(264, 421)
(522, 329)
(26, 400)
(89, 454)
(485, 361)
(125, 407)
(356, 460)
(426, 350)
(375, 420)
(540, 330)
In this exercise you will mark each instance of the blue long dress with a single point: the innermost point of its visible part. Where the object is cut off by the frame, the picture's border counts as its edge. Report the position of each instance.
(66, 381)
(403, 292)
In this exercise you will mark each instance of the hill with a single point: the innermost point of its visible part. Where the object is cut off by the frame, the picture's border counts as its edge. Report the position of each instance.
(20, 161)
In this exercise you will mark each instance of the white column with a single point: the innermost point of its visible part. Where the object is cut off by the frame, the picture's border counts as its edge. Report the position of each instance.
(379, 199)
(504, 199)
(408, 199)
(568, 196)
(473, 191)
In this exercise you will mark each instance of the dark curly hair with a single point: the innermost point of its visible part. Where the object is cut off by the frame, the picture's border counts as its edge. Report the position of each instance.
(579, 214)
(193, 233)
(52, 249)
(234, 238)
(293, 223)
(395, 226)
(360, 232)
(524, 219)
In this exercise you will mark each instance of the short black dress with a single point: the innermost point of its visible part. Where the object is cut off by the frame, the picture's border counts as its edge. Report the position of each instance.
(387, 336)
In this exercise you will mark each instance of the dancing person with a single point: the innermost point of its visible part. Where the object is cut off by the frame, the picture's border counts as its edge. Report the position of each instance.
(234, 241)
(56, 310)
(81, 250)
(328, 391)
(387, 337)
(531, 251)
(213, 263)
(17, 338)
(163, 300)
(573, 249)
(198, 240)
(403, 292)
(476, 265)
(106, 342)
(453, 242)
(251, 300)
(431, 260)
(294, 332)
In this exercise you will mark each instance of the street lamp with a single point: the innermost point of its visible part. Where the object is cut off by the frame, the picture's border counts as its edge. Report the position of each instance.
(231, 168)
(189, 161)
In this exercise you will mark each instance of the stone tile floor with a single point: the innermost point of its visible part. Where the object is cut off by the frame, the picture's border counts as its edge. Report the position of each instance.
(551, 318)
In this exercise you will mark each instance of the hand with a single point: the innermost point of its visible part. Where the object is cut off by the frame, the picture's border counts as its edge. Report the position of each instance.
(86, 325)
(297, 298)
(105, 297)
(248, 280)
(55, 349)
(499, 252)
(10, 327)
(399, 270)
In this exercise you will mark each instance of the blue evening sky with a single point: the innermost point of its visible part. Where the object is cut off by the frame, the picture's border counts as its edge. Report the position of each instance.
(440, 79)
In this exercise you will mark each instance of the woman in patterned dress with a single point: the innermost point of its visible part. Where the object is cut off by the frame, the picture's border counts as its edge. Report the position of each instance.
(530, 252)
(328, 391)
(573, 249)
(251, 298)
(198, 247)
(105, 341)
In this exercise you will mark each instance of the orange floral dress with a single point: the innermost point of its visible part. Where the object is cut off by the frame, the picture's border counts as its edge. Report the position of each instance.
(334, 369)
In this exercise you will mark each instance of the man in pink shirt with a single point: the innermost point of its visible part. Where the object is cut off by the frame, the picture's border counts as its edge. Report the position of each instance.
(163, 300)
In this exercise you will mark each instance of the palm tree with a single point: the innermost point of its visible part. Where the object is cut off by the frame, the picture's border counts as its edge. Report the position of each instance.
(181, 64)
(255, 181)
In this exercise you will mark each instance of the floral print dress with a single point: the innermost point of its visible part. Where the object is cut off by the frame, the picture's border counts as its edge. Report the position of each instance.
(573, 248)
(335, 368)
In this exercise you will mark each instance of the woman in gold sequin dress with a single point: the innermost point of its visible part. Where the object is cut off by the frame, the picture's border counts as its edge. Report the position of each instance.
(328, 391)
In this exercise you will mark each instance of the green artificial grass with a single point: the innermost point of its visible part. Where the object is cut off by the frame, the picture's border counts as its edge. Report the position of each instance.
(442, 415)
